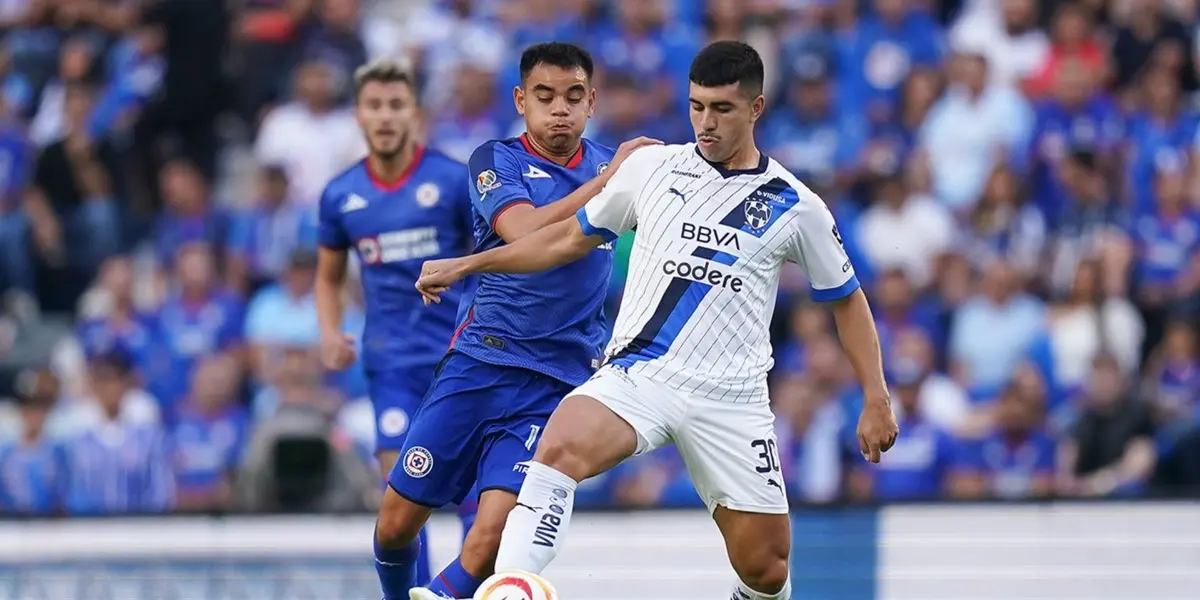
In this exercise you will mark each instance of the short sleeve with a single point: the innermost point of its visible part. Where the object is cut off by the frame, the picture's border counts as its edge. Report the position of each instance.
(612, 212)
(496, 183)
(330, 233)
(816, 246)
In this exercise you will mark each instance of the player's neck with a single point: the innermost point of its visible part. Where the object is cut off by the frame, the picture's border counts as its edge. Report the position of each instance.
(560, 158)
(746, 158)
(389, 170)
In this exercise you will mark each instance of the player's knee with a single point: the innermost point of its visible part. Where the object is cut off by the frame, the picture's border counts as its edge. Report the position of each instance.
(765, 572)
(565, 453)
(399, 521)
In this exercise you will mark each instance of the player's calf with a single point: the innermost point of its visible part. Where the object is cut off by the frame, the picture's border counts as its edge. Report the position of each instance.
(477, 561)
(758, 545)
(397, 545)
(582, 438)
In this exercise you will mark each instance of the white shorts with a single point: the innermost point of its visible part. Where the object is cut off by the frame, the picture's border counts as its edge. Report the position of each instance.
(730, 449)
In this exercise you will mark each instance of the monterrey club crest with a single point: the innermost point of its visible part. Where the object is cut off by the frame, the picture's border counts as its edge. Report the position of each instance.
(486, 182)
(758, 213)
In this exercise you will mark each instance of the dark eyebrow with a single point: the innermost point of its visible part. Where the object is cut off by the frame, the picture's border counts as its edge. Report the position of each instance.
(541, 87)
(717, 104)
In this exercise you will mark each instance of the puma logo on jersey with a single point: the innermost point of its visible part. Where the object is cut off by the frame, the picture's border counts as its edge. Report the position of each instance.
(353, 203)
(536, 173)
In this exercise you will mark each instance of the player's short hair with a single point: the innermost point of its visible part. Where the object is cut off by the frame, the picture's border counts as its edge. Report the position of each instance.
(556, 54)
(724, 63)
(383, 70)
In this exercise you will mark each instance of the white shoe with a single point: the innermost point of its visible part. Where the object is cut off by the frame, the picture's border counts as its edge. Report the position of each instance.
(424, 594)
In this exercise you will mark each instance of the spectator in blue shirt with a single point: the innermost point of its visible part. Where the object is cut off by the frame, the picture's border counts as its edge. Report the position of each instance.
(283, 315)
(658, 479)
(641, 43)
(1159, 137)
(31, 469)
(199, 318)
(1015, 460)
(189, 215)
(810, 135)
(473, 115)
(880, 52)
(119, 325)
(118, 467)
(992, 331)
(16, 161)
(208, 437)
(263, 237)
(918, 465)
(1076, 118)
(1167, 243)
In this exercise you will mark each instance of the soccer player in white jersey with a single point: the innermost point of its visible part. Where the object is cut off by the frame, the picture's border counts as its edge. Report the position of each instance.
(690, 353)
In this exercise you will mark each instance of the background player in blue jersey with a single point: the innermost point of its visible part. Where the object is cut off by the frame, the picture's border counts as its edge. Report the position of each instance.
(525, 339)
(401, 205)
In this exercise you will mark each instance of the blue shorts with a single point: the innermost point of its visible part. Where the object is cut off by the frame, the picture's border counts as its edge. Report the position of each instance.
(478, 423)
(396, 395)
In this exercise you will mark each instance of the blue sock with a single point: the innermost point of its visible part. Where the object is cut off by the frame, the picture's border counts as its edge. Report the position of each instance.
(455, 581)
(423, 569)
(397, 569)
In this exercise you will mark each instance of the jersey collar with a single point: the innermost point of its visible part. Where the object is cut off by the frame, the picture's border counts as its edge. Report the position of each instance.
(418, 152)
(571, 163)
(763, 163)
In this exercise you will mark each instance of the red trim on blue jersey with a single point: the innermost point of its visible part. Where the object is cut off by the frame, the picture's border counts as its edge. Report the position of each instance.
(466, 321)
(418, 153)
(496, 217)
(571, 163)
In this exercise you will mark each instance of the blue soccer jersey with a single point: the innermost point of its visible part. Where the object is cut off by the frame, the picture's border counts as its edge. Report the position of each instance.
(394, 228)
(526, 340)
(550, 322)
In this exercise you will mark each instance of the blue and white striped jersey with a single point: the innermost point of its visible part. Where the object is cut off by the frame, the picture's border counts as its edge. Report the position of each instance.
(705, 265)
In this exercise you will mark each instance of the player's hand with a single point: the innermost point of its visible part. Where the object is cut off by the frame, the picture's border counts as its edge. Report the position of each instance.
(437, 276)
(337, 351)
(877, 429)
(627, 147)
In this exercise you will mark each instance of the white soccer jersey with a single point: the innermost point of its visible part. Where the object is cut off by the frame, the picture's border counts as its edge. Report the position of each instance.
(704, 268)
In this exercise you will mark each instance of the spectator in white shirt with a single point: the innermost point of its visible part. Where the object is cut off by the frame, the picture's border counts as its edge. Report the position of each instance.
(905, 230)
(972, 128)
(311, 137)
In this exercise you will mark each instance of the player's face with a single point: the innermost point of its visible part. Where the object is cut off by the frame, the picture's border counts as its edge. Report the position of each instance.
(556, 104)
(387, 114)
(723, 119)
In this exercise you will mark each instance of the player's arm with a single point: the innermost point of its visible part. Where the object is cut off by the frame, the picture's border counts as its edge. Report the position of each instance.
(817, 247)
(505, 201)
(332, 253)
(608, 215)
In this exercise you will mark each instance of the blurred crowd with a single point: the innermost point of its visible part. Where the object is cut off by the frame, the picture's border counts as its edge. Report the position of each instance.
(1016, 182)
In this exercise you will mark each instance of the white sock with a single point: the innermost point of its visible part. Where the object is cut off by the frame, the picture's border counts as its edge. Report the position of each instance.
(743, 592)
(537, 527)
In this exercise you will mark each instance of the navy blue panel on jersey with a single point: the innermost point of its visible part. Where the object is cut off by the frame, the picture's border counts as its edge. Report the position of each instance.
(762, 207)
(478, 423)
(677, 305)
(425, 215)
(550, 322)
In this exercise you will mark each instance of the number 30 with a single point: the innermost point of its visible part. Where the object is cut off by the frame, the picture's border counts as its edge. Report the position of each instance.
(768, 454)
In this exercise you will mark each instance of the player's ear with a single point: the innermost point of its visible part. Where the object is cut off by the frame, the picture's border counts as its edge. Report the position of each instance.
(757, 107)
(519, 100)
(591, 100)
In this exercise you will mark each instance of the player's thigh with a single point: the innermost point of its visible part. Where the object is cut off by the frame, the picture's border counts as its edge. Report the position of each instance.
(444, 442)
(396, 396)
(732, 455)
(612, 416)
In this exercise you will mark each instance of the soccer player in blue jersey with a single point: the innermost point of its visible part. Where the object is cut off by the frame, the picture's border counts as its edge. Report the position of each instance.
(525, 340)
(400, 206)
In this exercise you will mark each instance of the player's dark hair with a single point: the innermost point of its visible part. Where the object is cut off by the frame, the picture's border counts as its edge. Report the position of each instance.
(724, 63)
(383, 70)
(556, 54)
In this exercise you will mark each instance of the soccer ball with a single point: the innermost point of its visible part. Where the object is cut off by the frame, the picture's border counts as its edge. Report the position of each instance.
(516, 585)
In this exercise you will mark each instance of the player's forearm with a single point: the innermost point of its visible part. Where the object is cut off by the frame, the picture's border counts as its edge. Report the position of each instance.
(856, 329)
(546, 248)
(534, 219)
(329, 306)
